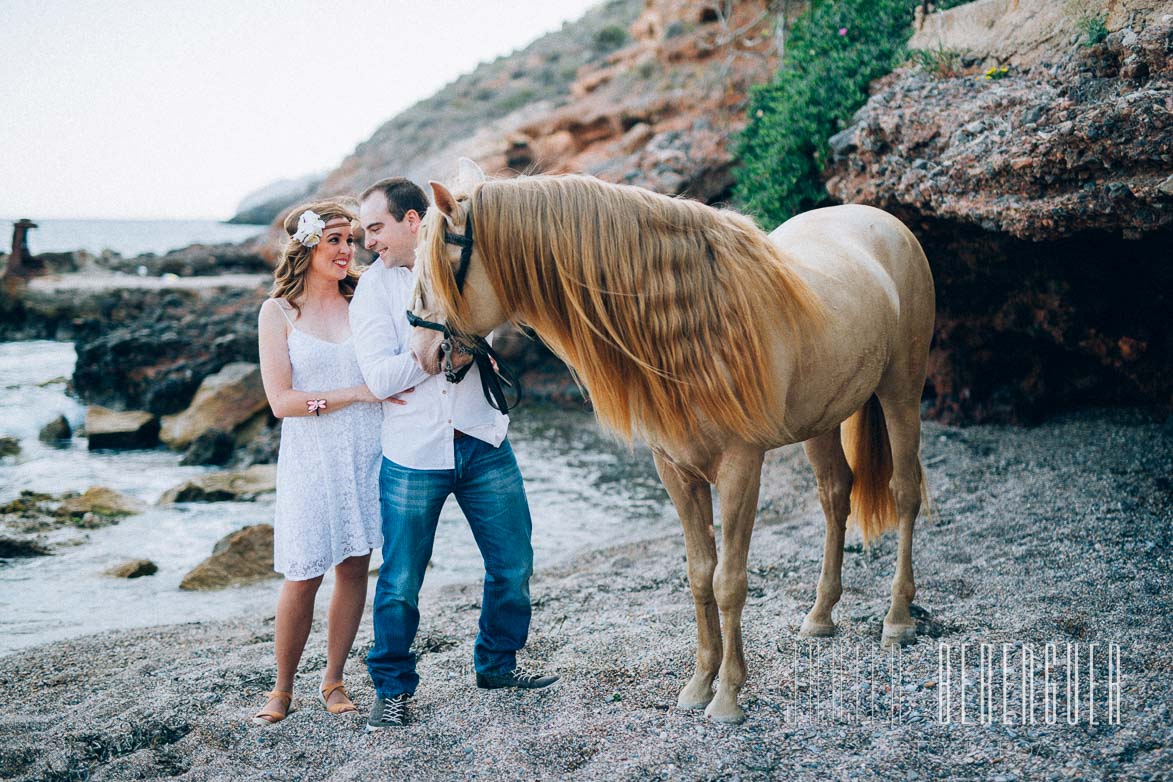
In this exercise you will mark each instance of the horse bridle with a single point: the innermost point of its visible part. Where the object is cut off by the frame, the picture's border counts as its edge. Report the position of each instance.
(492, 368)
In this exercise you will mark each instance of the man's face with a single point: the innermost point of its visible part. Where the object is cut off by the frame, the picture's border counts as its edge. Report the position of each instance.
(393, 240)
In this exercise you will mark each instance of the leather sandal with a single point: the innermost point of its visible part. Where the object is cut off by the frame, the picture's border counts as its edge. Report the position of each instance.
(336, 708)
(270, 717)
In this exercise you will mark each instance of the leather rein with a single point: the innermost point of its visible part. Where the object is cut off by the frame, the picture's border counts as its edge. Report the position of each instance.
(495, 378)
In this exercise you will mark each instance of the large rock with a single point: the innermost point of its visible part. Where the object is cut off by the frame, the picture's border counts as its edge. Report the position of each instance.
(9, 446)
(100, 501)
(221, 486)
(262, 448)
(155, 358)
(211, 447)
(1038, 199)
(243, 557)
(197, 260)
(135, 568)
(11, 548)
(223, 401)
(107, 428)
(56, 430)
(98, 507)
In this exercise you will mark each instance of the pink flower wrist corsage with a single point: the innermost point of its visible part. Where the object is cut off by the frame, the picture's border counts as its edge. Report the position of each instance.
(316, 406)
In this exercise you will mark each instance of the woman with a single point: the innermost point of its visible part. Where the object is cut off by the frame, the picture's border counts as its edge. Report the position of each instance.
(327, 510)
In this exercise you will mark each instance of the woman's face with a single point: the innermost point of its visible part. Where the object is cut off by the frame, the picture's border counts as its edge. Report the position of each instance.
(332, 255)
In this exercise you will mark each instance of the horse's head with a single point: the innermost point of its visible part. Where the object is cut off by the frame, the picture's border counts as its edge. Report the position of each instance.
(452, 289)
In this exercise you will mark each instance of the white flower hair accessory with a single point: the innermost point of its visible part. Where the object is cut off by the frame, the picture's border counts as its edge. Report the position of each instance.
(309, 228)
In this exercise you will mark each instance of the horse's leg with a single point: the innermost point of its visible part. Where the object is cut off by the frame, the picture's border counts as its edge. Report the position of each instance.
(738, 480)
(902, 415)
(833, 474)
(693, 499)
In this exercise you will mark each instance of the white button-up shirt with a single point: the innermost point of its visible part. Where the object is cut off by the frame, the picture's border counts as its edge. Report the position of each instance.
(418, 434)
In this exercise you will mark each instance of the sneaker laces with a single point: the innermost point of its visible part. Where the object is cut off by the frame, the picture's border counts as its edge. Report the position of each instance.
(395, 708)
(522, 675)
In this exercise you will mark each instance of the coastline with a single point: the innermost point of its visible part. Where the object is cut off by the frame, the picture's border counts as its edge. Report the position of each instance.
(1058, 533)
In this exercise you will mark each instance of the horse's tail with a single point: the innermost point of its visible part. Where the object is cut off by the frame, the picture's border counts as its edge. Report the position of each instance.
(865, 443)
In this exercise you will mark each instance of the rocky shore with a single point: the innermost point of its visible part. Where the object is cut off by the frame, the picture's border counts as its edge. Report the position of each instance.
(1059, 533)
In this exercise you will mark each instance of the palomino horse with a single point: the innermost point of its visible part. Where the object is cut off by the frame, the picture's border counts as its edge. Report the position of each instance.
(693, 329)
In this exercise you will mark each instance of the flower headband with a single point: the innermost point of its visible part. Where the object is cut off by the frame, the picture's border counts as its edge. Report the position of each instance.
(309, 228)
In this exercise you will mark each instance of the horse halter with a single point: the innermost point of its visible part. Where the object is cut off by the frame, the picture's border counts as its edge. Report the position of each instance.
(492, 371)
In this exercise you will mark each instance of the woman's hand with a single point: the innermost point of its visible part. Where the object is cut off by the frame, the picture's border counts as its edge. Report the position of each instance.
(364, 395)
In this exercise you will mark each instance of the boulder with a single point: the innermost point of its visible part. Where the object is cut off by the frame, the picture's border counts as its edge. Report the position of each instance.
(262, 448)
(113, 429)
(220, 486)
(243, 557)
(214, 446)
(56, 430)
(149, 350)
(223, 401)
(134, 568)
(9, 446)
(100, 501)
(21, 547)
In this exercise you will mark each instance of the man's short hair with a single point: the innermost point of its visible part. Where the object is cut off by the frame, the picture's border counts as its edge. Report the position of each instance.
(402, 194)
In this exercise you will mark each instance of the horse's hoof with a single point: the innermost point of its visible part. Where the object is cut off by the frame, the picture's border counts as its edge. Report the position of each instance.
(896, 636)
(693, 701)
(731, 714)
(811, 629)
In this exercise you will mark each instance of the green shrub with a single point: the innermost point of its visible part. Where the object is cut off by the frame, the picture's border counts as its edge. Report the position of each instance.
(1093, 28)
(513, 101)
(833, 52)
(610, 38)
(941, 62)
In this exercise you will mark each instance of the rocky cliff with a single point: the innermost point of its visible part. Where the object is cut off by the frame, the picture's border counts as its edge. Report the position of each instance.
(657, 111)
(465, 117)
(1043, 193)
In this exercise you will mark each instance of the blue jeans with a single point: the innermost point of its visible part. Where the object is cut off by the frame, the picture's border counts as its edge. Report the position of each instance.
(488, 487)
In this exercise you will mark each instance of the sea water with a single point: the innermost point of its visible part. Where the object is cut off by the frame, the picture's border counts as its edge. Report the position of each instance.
(586, 491)
(128, 238)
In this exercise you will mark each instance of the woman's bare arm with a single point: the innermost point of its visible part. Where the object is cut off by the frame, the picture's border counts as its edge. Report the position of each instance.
(277, 373)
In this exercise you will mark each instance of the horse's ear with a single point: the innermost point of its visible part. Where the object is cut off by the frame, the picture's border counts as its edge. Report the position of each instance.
(468, 172)
(444, 200)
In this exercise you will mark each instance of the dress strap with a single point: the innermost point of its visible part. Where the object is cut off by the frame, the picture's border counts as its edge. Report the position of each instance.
(281, 304)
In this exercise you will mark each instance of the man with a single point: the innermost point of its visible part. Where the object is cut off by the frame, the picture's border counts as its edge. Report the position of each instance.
(445, 440)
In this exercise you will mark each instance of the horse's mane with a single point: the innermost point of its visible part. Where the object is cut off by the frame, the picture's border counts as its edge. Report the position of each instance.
(658, 303)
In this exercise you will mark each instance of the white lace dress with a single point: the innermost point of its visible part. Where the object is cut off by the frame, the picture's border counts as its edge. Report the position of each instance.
(327, 467)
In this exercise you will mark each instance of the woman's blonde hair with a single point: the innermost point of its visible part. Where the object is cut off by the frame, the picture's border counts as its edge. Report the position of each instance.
(294, 264)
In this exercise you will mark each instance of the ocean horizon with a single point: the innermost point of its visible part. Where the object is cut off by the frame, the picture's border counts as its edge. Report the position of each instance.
(128, 238)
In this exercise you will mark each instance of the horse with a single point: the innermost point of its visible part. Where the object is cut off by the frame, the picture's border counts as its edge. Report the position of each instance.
(693, 330)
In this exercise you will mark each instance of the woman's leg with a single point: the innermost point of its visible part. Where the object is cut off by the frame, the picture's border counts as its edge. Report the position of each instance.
(295, 614)
(346, 607)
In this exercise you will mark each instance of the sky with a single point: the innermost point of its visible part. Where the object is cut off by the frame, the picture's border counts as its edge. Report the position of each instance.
(179, 109)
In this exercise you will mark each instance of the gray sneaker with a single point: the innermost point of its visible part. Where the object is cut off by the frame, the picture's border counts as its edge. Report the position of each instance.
(518, 677)
(389, 712)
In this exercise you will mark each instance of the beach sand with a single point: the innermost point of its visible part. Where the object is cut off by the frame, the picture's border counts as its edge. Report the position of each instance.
(1058, 533)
